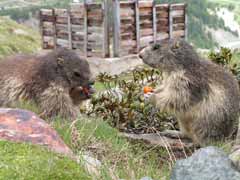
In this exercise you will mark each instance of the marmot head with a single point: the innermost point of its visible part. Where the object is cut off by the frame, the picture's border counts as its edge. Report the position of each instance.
(75, 71)
(169, 55)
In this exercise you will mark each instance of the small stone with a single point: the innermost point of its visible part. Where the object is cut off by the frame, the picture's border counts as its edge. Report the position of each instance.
(146, 178)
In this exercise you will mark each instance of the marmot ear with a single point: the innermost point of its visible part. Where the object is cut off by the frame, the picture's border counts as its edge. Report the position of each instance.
(176, 45)
(60, 61)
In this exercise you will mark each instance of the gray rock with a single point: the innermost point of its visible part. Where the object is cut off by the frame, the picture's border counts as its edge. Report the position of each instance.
(208, 163)
(146, 178)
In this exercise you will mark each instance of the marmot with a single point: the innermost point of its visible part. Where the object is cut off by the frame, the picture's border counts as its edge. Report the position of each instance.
(203, 96)
(57, 82)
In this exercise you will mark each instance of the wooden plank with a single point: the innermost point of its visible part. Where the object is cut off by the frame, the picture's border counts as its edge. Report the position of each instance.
(180, 26)
(95, 37)
(61, 20)
(126, 12)
(163, 28)
(69, 31)
(145, 4)
(146, 32)
(186, 23)
(162, 22)
(116, 28)
(106, 39)
(170, 22)
(137, 25)
(180, 33)
(78, 21)
(178, 13)
(179, 6)
(94, 29)
(41, 30)
(85, 29)
(54, 30)
(180, 19)
(162, 14)
(77, 28)
(162, 7)
(154, 20)
(162, 36)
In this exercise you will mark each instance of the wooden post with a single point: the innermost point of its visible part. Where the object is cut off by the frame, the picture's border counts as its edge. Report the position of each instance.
(54, 29)
(105, 8)
(41, 28)
(69, 30)
(85, 28)
(185, 23)
(116, 28)
(170, 22)
(137, 25)
(154, 22)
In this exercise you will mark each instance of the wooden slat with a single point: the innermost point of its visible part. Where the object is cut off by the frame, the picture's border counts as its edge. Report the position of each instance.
(154, 19)
(137, 25)
(162, 7)
(186, 23)
(85, 29)
(144, 4)
(170, 22)
(106, 49)
(178, 6)
(69, 31)
(161, 36)
(116, 27)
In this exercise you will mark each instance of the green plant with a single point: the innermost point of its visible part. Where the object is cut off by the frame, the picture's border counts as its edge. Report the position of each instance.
(124, 106)
(225, 58)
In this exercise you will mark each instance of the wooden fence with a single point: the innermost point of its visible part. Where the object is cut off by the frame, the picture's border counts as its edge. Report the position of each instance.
(86, 26)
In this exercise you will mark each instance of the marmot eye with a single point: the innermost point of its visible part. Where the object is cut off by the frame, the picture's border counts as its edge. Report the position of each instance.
(156, 46)
(77, 74)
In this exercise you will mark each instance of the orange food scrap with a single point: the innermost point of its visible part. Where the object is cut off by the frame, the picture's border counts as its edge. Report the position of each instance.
(147, 89)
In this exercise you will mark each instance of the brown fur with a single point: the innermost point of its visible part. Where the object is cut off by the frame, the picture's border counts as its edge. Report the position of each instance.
(49, 80)
(204, 96)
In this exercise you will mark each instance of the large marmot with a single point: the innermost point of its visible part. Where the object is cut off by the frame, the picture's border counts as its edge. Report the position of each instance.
(203, 96)
(57, 82)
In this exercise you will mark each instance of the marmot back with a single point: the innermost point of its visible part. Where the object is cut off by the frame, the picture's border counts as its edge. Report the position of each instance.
(48, 80)
(204, 96)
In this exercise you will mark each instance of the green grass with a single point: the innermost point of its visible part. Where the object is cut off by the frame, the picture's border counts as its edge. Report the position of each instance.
(24, 161)
(12, 42)
(126, 160)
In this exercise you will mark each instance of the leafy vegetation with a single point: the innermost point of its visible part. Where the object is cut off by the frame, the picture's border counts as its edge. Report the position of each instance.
(123, 103)
(228, 60)
(15, 38)
(23, 13)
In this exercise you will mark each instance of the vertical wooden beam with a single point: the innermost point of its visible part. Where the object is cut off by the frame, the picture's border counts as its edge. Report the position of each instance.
(137, 25)
(154, 22)
(54, 29)
(41, 28)
(105, 8)
(170, 22)
(85, 28)
(186, 23)
(69, 29)
(116, 28)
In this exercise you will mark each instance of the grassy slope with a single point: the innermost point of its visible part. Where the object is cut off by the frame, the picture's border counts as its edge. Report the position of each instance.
(11, 42)
(29, 162)
(125, 159)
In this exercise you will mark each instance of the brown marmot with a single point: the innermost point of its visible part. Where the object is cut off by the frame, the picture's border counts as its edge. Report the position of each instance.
(203, 96)
(57, 82)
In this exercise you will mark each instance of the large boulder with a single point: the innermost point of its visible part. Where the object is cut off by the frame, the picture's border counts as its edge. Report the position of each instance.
(24, 126)
(208, 163)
